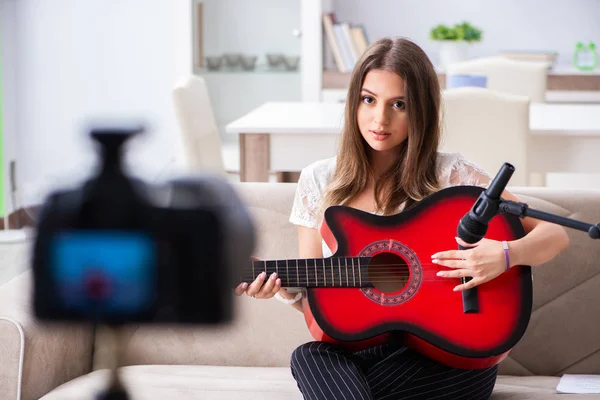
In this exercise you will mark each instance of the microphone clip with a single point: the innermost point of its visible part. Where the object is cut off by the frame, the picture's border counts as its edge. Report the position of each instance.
(485, 208)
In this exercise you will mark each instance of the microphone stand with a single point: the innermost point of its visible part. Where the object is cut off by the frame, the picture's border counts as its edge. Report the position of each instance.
(522, 210)
(473, 226)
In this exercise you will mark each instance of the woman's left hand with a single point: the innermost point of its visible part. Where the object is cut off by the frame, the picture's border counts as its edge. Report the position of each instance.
(483, 261)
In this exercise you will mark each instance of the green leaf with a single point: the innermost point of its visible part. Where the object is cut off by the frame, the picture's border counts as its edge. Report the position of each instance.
(463, 32)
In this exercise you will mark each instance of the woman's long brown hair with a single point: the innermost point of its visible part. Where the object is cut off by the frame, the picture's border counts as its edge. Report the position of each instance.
(414, 176)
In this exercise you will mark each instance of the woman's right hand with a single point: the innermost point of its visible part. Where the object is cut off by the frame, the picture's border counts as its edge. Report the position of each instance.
(257, 289)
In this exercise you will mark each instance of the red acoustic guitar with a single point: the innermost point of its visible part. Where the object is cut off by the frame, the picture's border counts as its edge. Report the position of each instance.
(380, 282)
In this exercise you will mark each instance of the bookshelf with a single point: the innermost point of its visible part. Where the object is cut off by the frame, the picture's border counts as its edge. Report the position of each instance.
(557, 80)
(325, 74)
(562, 86)
(313, 51)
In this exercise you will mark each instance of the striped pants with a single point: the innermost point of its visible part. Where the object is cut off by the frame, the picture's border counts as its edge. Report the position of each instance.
(389, 372)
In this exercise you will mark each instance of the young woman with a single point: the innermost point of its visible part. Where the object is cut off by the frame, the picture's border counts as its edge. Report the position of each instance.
(388, 160)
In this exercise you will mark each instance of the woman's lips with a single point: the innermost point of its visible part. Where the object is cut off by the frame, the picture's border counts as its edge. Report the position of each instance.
(380, 135)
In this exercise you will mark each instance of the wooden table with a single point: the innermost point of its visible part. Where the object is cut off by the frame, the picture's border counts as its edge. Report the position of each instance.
(283, 136)
(287, 136)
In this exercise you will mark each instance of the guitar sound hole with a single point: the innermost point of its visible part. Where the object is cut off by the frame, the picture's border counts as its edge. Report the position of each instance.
(388, 272)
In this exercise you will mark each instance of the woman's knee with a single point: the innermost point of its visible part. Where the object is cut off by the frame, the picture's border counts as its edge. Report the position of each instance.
(306, 352)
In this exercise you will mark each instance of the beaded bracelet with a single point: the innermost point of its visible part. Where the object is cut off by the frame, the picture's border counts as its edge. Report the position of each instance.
(506, 257)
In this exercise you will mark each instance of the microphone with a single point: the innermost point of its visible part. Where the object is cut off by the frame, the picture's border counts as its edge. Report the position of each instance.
(473, 226)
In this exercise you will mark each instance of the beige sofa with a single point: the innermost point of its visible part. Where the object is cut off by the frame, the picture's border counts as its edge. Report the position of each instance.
(249, 359)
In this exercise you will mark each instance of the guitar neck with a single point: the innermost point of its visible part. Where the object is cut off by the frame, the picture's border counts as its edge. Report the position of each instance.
(350, 272)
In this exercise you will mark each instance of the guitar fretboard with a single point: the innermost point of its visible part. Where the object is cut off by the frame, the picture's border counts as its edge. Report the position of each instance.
(314, 272)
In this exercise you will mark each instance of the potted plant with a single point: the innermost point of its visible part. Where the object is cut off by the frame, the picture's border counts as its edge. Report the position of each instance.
(454, 41)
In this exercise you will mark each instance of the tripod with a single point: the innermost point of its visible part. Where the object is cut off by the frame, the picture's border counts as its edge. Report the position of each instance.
(115, 390)
(522, 210)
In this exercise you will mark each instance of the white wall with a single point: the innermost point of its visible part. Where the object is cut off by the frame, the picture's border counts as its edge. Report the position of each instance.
(84, 60)
(8, 47)
(510, 24)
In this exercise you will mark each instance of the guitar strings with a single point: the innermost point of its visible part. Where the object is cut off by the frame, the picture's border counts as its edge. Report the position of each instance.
(327, 271)
(426, 277)
(352, 284)
(379, 273)
(349, 267)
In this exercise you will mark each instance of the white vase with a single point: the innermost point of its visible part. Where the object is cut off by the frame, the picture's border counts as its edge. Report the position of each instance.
(453, 52)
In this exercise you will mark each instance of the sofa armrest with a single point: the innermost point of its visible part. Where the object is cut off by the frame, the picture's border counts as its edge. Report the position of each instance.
(36, 357)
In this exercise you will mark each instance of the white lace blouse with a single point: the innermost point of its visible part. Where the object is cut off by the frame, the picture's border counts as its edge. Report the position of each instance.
(453, 170)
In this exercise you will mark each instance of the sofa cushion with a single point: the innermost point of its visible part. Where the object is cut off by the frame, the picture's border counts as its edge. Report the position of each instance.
(264, 333)
(219, 383)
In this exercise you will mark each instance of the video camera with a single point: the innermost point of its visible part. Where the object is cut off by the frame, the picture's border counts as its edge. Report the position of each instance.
(118, 250)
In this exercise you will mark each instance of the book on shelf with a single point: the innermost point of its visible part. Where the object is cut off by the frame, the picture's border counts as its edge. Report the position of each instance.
(345, 47)
(360, 38)
(345, 41)
(328, 23)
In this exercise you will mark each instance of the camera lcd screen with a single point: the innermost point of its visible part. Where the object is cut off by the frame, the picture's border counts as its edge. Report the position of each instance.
(104, 273)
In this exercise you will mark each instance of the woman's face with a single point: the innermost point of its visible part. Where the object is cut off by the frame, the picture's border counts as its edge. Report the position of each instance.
(382, 117)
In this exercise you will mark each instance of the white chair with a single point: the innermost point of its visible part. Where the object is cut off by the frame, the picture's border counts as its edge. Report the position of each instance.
(201, 140)
(527, 78)
(488, 128)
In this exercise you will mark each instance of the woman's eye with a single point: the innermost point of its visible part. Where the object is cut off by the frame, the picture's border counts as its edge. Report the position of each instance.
(400, 105)
(367, 99)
